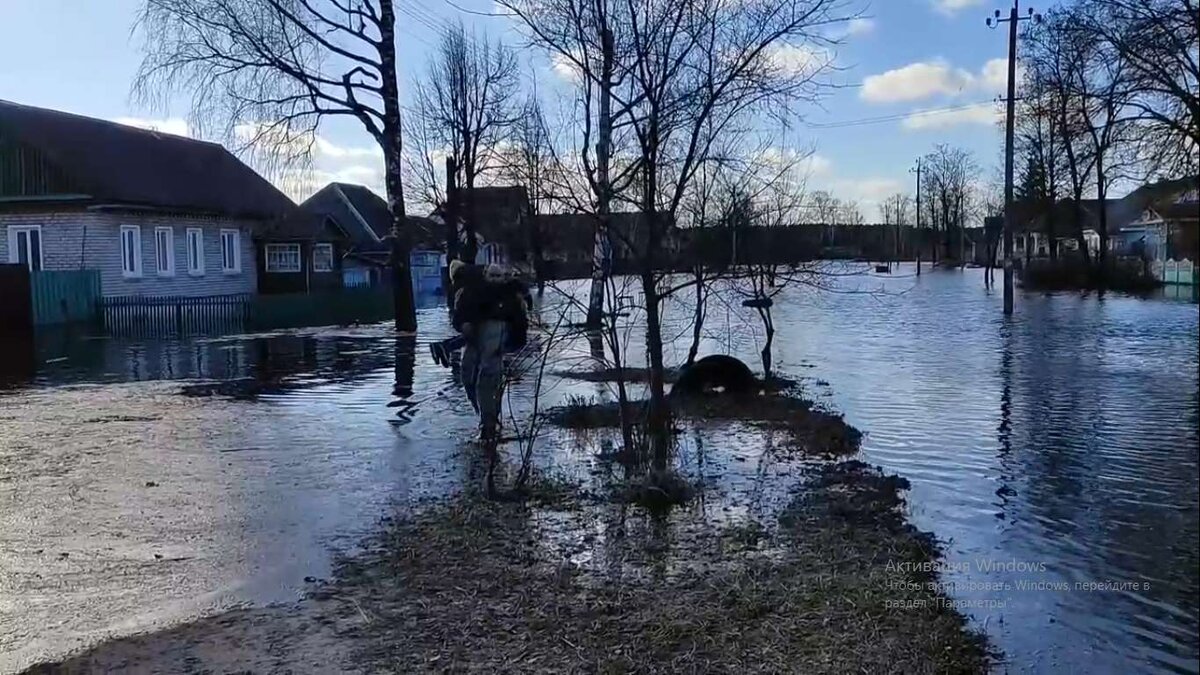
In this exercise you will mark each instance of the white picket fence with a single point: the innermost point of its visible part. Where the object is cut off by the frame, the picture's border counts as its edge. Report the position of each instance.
(1172, 271)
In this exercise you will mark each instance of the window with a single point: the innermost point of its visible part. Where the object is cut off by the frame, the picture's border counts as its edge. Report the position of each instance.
(25, 246)
(131, 251)
(322, 258)
(164, 251)
(231, 258)
(195, 251)
(283, 257)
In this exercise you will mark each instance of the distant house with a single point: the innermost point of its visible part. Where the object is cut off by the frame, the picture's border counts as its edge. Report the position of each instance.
(156, 214)
(1156, 221)
(359, 224)
(1163, 221)
(300, 254)
(502, 219)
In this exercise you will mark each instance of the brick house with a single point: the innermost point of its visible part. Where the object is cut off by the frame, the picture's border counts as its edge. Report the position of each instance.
(156, 214)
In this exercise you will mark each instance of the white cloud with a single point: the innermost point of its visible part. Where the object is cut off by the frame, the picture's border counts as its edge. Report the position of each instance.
(799, 61)
(301, 184)
(954, 6)
(816, 165)
(564, 67)
(326, 148)
(867, 192)
(914, 82)
(981, 114)
(860, 26)
(176, 126)
(928, 79)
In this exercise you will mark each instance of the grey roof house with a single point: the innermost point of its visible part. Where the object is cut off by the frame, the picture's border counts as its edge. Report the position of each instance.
(363, 224)
(156, 214)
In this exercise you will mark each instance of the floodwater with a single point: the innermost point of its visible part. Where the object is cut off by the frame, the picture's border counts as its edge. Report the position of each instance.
(1059, 446)
(1056, 447)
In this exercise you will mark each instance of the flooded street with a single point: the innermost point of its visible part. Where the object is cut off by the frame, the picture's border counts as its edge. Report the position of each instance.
(127, 505)
(145, 482)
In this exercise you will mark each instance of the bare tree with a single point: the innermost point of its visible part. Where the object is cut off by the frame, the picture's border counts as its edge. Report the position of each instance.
(682, 75)
(466, 108)
(851, 214)
(897, 210)
(269, 72)
(1100, 89)
(1053, 65)
(1156, 41)
(948, 177)
(1041, 142)
(823, 209)
(531, 161)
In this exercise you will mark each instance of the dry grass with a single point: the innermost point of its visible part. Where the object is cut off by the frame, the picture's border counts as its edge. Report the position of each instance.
(474, 587)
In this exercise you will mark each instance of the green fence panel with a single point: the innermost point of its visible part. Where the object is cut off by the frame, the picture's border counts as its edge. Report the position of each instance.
(342, 307)
(65, 297)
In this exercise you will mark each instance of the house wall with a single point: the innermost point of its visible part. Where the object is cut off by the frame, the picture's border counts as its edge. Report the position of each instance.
(82, 239)
(303, 281)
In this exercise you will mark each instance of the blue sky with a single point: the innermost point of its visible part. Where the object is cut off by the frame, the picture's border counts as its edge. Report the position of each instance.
(905, 56)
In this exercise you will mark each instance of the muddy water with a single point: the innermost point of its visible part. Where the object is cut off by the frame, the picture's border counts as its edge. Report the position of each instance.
(1063, 440)
(125, 505)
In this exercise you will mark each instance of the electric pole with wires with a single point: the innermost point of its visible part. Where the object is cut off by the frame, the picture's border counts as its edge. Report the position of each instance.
(920, 235)
(1013, 19)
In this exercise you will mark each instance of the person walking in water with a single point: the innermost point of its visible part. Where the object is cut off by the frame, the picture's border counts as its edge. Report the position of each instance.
(441, 350)
(490, 314)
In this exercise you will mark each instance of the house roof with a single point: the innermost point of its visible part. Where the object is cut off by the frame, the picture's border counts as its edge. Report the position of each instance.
(365, 218)
(497, 212)
(1175, 199)
(302, 225)
(123, 165)
(1171, 199)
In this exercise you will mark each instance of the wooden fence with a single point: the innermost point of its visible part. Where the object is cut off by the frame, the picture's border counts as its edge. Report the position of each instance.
(65, 297)
(1181, 272)
(180, 315)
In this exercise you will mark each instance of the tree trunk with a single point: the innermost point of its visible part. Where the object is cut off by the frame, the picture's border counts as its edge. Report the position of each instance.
(602, 250)
(392, 144)
(769, 330)
(659, 418)
(698, 318)
(1077, 211)
(1102, 217)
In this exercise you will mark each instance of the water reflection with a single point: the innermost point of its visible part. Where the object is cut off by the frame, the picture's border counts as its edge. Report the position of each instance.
(405, 355)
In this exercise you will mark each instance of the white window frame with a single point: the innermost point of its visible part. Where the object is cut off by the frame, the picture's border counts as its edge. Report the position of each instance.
(14, 232)
(195, 234)
(322, 247)
(136, 271)
(267, 249)
(236, 237)
(169, 270)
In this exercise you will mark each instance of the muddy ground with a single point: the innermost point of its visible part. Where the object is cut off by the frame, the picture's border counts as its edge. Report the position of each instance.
(467, 584)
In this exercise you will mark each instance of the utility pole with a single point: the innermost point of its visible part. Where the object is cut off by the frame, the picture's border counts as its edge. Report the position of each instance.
(601, 253)
(917, 170)
(993, 22)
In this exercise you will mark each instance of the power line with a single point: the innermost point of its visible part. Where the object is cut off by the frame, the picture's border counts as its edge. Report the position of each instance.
(894, 117)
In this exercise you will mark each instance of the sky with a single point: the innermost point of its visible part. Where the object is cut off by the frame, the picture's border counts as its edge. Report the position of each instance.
(901, 57)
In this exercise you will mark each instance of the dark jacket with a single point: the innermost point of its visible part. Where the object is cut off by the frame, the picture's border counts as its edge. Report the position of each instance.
(477, 300)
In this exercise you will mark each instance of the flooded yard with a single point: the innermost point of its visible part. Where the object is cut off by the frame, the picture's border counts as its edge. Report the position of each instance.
(143, 483)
